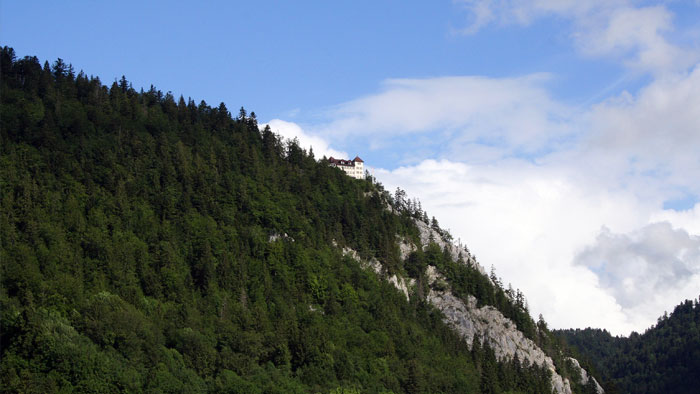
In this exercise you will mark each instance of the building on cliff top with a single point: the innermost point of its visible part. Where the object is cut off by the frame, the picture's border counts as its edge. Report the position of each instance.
(354, 168)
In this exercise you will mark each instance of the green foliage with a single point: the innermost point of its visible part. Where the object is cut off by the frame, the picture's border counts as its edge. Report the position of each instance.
(664, 359)
(155, 245)
(466, 280)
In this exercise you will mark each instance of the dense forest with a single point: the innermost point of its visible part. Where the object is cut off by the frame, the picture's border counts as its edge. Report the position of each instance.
(153, 244)
(664, 359)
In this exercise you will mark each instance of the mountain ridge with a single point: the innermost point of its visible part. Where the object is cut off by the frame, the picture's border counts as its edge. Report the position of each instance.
(155, 244)
(663, 359)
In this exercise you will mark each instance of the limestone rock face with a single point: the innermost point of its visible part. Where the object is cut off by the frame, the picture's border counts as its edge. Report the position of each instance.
(274, 237)
(372, 264)
(585, 378)
(405, 248)
(486, 323)
(427, 235)
(405, 285)
(465, 317)
(490, 326)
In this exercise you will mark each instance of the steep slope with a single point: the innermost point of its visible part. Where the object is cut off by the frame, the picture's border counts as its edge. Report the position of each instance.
(484, 324)
(149, 244)
(664, 359)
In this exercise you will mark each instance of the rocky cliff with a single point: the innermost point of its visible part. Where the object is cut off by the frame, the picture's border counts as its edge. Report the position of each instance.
(428, 235)
(490, 326)
(485, 323)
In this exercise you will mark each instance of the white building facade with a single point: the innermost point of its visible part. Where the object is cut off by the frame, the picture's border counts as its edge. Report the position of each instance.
(354, 168)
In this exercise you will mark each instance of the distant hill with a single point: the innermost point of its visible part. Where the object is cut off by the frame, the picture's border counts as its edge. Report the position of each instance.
(664, 359)
(153, 244)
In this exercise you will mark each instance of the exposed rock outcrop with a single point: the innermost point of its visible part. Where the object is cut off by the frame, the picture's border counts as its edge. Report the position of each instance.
(403, 284)
(490, 326)
(427, 235)
(405, 248)
(486, 323)
(372, 264)
(585, 377)
(274, 237)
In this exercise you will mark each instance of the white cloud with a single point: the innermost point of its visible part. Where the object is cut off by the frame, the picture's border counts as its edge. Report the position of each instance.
(651, 139)
(637, 36)
(481, 15)
(524, 12)
(628, 155)
(290, 130)
(527, 183)
(643, 268)
(470, 107)
(688, 219)
(528, 221)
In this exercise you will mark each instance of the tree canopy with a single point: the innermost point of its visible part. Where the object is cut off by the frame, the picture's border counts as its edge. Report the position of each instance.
(150, 244)
(664, 359)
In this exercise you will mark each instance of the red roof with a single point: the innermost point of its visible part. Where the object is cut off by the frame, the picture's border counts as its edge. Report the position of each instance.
(343, 162)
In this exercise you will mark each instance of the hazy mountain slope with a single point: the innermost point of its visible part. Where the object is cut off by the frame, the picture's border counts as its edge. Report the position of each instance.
(665, 359)
(149, 244)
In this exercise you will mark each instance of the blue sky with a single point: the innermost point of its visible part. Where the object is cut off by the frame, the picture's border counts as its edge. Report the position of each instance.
(279, 57)
(558, 139)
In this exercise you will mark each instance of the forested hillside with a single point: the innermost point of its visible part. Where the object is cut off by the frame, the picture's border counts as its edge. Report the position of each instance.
(664, 359)
(153, 244)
